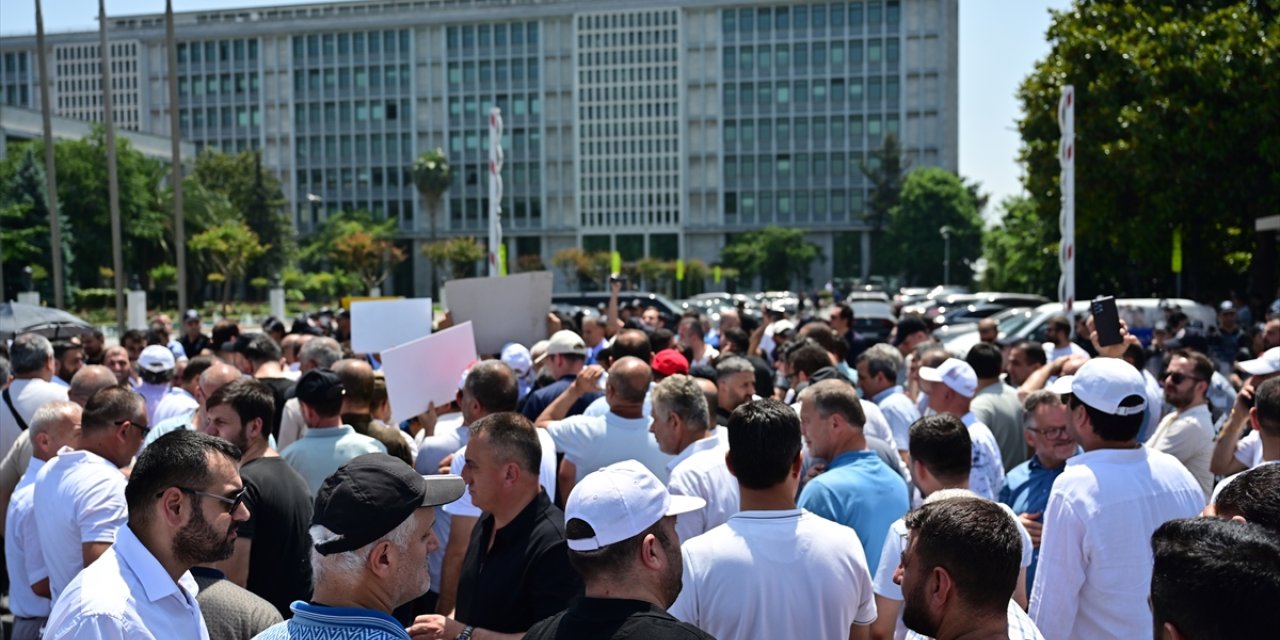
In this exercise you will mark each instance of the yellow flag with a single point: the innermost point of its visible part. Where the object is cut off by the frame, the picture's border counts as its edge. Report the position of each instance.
(715, 273)
(502, 259)
(680, 270)
(615, 262)
(1177, 250)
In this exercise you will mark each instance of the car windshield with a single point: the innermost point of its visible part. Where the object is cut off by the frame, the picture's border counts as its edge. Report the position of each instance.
(1010, 321)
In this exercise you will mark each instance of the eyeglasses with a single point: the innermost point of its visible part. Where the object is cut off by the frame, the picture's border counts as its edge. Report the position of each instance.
(142, 427)
(232, 503)
(1177, 378)
(1052, 433)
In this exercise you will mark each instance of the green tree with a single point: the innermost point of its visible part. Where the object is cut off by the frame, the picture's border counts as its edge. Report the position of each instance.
(573, 264)
(931, 199)
(780, 256)
(460, 253)
(25, 227)
(231, 248)
(1176, 126)
(1021, 251)
(885, 169)
(359, 246)
(432, 176)
(254, 193)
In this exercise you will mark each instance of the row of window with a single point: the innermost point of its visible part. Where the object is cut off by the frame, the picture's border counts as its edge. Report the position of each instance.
(625, 41)
(373, 77)
(517, 213)
(471, 108)
(519, 142)
(94, 85)
(211, 51)
(819, 206)
(309, 48)
(784, 168)
(634, 20)
(486, 38)
(638, 78)
(621, 57)
(362, 177)
(217, 84)
(18, 95)
(360, 111)
(225, 117)
(470, 73)
(838, 91)
(94, 69)
(91, 100)
(15, 62)
(634, 164)
(349, 149)
(800, 132)
(520, 176)
(801, 18)
(617, 184)
(90, 52)
(787, 59)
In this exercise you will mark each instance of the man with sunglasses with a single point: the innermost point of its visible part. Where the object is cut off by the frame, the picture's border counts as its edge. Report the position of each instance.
(80, 494)
(185, 500)
(1026, 487)
(1187, 432)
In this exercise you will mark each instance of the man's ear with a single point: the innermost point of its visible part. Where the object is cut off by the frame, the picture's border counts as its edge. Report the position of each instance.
(1170, 632)
(940, 589)
(254, 428)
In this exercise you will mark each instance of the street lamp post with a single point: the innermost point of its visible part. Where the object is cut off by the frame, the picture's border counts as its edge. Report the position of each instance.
(946, 254)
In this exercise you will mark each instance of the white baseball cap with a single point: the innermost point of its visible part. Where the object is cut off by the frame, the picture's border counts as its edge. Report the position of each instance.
(1104, 383)
(1265, 364)
(955, 373)
(156, 358)
(1062, 385)
(620, 501)
(517, 357)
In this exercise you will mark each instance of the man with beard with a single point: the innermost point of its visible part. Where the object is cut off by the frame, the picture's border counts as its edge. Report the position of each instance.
(1187, 433)
(272, 557)
(735, 384)
(185, 500)
(621, 530)
(959, 570)
(371, 533)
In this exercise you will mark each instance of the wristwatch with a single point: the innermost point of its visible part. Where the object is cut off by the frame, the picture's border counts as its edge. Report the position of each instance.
(466, 633)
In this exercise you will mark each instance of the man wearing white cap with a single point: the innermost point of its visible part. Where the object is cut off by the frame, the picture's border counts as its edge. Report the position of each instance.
(1231, 453)
(1095, 558)
(774, 570)
(565, 356)
(1264, 417)
(1187, 432)
(620, 527)
(951, 386)
(155, 366)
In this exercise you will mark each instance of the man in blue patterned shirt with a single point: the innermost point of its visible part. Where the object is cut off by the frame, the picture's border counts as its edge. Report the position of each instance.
(1026, 488)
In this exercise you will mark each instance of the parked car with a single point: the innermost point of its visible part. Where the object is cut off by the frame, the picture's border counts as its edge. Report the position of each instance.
(600, 299)
(875, 320)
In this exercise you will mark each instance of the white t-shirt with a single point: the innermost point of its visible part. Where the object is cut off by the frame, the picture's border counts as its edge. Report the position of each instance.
(877, 426)
(27, 394)
(1249, 450)
(1094, 569)
(701, 471)
(891, 555)
(79, 498)
(1188, 436)
(986, 476)
(593, 443)
(177, 402)
(22, 552)
(1072, 349)
(776, 574)
(546, 477)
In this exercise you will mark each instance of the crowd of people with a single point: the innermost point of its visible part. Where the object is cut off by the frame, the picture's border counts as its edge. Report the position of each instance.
(628, 477)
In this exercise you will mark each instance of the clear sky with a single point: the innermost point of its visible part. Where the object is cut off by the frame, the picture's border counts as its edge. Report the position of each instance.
(999, 42)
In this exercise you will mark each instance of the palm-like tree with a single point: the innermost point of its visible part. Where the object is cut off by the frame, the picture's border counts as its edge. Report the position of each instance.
(431, 175)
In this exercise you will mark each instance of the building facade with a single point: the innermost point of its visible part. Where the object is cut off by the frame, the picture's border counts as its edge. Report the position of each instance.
(659, 129)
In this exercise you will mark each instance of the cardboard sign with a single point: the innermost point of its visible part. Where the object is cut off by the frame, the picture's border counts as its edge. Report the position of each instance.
(510, 309)
(378, 326)
(427, 369)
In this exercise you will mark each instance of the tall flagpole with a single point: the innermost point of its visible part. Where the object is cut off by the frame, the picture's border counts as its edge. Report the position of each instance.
(1067, 219)
(175, 141)
(50, 173)
(495, 192)
(113, 190)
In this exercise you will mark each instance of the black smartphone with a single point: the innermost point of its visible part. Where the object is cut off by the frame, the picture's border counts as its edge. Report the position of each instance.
(1106, 321)
(617, 277)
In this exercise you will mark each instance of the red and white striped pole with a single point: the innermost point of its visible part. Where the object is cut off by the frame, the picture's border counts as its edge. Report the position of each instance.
(496, 266)
(1067, 219)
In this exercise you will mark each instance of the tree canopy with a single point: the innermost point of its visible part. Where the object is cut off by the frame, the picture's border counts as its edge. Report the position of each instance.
(780, 256)
(931, 199)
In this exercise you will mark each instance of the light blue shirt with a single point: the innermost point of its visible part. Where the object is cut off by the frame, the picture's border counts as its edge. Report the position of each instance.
(321, 451)
(899, 412)
(859, 491)
(1026, 490)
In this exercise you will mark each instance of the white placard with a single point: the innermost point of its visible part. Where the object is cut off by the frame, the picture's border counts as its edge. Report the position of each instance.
(509, 309)
(427, 369)
(378, 325)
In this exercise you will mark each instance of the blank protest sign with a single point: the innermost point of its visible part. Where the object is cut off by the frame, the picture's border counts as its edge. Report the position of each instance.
(509, 309)
(379, 325)
(427, 369)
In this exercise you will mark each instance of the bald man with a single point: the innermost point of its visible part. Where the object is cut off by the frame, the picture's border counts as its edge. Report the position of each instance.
(357, 387)
(215, 377)
(592, 442)
(89, 380)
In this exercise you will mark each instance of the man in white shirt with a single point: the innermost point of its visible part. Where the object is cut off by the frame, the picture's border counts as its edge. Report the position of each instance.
(682, 425)
(959, 569)
(592, 443)
(1058, 331)
(80, 493)
(878, 368)
(1233, 454)
(951, 387)
(1187, 432)
(691, 334)
(185, 501)
(31, 360)
(812, 583)
(1095, 563)
(54, 426)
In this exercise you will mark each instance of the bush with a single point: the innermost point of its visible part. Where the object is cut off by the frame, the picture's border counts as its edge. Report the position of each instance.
(95, 298)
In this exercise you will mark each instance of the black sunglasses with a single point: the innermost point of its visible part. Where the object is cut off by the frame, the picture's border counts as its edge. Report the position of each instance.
(1177, 378)
(144, 428)
(232, 503)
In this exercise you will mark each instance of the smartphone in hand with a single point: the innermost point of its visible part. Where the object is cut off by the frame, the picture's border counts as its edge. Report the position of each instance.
(1106, 321)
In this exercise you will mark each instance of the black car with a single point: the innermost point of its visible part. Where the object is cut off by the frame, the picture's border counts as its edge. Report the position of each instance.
(600, 299)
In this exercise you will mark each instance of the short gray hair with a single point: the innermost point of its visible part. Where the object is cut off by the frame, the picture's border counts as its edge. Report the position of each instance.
(883, 359)
(734, 364)
(1037, 399)
(29, 353)
(681, 395)
(347, 564)
(50, 414)
(321, 351)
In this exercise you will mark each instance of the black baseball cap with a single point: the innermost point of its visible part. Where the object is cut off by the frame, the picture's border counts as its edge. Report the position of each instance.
(318, 386)
(371, 495)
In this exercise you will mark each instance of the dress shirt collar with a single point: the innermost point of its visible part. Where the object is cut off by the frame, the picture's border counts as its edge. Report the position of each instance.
(884, 395)
(712, 441)
(151, 574)
(329, 432)
(968, 419)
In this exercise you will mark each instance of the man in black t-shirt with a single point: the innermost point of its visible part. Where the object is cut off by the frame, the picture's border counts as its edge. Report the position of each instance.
(272, 556)
(193, 340)
(621, 530)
